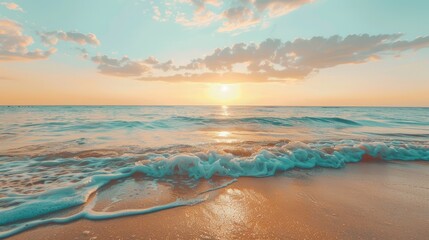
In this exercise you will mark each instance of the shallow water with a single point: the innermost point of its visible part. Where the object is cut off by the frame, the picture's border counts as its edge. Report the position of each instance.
(55, 158)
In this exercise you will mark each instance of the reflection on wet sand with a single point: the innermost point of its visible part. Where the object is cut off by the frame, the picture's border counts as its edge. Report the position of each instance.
(317, 204)
(233, 211)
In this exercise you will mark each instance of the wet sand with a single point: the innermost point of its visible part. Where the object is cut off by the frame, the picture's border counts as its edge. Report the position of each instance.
(381, 200)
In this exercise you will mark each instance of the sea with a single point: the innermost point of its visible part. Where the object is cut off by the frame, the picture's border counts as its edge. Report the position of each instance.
(55, 159)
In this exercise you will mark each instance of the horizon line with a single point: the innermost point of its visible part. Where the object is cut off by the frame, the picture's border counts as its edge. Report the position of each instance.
(200, 105)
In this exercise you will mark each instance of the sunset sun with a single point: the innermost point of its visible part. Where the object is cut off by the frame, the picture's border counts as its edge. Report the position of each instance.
(224, 88)
(224, 93)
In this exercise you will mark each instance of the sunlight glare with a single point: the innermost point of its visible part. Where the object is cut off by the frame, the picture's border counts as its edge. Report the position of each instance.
(224, 93)
(223, 134)
(224, 88)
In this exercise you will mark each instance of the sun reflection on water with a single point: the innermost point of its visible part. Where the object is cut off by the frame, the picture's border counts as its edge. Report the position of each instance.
(223, 134)
(225, 110)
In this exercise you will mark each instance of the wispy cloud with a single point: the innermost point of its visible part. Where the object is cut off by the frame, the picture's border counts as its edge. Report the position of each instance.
(52, 38)
(270, 60)
(229, 15)
(14, 44)
(12, 6)
(248, 13)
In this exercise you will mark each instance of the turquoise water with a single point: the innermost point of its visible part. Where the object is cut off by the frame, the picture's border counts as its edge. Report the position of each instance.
(54, 158)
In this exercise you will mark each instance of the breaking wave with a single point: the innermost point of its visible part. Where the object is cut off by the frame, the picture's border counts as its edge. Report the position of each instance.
(60, 183)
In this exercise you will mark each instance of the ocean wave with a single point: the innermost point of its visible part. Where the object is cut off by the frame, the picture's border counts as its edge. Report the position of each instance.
(33, 173)
(266, 162)
(55, 160)
(186, 121)
(275, 121)
(402, 135)
(39, 185)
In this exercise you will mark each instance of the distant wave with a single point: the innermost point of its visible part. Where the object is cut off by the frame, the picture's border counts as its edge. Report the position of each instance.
(185, 121)
(268, 120)
(411, 135)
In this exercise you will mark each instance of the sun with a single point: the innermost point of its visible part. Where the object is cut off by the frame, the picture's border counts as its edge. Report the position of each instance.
(224, 93)
(224, 88)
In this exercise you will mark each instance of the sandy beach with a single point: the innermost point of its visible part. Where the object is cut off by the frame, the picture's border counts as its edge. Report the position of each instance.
(375, 200)
(208, 119)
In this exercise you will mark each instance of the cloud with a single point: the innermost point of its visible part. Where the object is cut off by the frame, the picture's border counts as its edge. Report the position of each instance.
(276, 8)
(229, 15)
(125, 67)
(268, 61)
(83, 53)
(52, 38)
(210, 77)
(249, 13)
(157, 13)
(14, 44)
(199, 19)
(12, 6)
(239, 18)
(201, 15)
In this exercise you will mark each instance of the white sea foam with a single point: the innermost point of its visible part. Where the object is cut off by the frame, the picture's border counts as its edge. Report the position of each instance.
(89, 214)
(200, 164)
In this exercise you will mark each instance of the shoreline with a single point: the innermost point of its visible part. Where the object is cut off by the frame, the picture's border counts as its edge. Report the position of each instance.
(381, 200)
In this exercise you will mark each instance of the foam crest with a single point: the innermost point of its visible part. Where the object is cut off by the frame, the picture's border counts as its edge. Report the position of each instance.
(268, 161)
(64, 190)
(32, 175)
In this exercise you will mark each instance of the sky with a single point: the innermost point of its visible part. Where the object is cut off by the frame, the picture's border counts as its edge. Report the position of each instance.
(212, 52)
